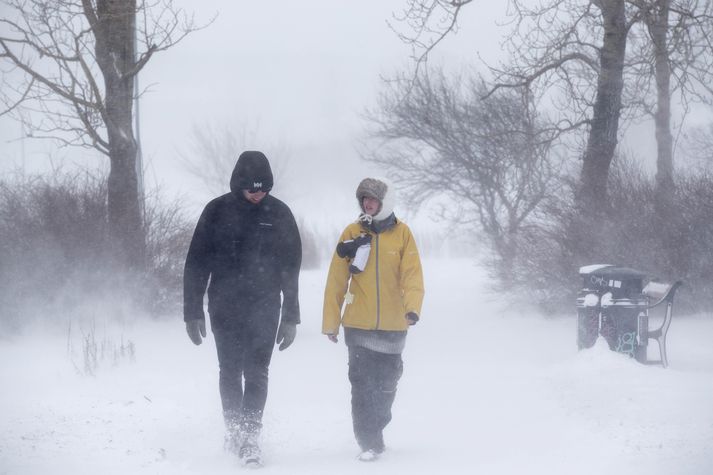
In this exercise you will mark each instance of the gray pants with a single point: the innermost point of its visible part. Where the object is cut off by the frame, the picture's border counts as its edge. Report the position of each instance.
(374, 377)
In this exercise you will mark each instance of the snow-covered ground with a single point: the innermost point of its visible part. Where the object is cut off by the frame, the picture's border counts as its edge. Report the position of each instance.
(485, 390)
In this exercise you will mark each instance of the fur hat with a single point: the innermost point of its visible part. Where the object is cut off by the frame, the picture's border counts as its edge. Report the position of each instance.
(380, 189)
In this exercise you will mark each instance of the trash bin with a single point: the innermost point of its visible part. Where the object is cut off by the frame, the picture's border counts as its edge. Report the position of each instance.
(611, 304)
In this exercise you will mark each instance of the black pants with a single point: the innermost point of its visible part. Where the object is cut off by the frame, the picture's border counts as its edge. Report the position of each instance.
(374, 377)
(244, 352)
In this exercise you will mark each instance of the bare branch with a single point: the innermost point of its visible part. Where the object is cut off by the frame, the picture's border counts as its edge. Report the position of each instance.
(526, 81)
(40, 78)
(422, 37)
(79, 61)
(490, 158)
(24, 96)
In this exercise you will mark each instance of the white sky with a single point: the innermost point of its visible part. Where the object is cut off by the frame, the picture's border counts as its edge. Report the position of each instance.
(299, 72)
(302, 72)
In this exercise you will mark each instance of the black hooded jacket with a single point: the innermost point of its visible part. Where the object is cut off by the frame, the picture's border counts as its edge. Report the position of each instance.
(249, 252)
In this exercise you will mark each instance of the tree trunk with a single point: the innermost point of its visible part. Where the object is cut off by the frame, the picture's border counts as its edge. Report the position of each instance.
(664, 204)
(607, 107)
(658, 28)
(114, 33)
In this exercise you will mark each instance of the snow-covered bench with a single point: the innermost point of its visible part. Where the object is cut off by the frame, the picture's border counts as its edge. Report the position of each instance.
(615, 304)
(660, 293)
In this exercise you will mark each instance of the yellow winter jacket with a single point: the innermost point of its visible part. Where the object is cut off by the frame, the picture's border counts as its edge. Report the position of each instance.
(378, 298)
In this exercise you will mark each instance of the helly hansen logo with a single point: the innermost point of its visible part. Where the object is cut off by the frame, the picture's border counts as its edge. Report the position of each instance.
(257, 184)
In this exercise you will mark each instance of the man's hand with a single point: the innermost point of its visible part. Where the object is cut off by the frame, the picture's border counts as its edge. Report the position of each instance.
(286, 333)
(196, 329)
(333, 338)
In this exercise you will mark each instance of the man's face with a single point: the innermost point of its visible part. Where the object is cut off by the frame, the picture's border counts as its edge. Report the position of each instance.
(370, 205)
(254, 196)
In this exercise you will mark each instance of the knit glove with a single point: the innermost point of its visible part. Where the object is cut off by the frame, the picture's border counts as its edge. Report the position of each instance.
(412, 318)
(196, 329)
(348, 249)
(286, 333)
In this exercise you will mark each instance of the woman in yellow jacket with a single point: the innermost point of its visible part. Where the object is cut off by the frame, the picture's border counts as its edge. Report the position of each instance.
(382, 297)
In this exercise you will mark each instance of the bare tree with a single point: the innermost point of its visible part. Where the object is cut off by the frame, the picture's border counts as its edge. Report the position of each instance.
(427, 23)
(214, 150)
(490, 160)
(579, 47)
(674, 57)
(698, 146)
(656, 20)
(604, 124)
(69, 72)
(574, 51)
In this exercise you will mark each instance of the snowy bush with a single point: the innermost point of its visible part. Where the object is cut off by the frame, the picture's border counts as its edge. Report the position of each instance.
(673, 245)
(89, 351)
(55, 250)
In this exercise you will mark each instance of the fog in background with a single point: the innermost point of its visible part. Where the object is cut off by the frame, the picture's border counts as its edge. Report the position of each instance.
(297, 75)
(294, 76)
(488, 387)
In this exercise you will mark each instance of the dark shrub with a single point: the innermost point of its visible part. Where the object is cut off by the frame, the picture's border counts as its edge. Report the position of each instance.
(675, 242)
(55, 250)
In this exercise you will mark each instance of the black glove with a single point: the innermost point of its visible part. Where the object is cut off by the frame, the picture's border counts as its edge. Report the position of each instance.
(286, 334)
(412, 318)
(348, 249)
(196, 329)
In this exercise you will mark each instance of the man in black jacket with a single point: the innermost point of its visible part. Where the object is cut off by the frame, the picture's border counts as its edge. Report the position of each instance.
(246, 243)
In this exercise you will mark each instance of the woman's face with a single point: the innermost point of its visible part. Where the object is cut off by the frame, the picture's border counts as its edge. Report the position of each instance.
(370, 205)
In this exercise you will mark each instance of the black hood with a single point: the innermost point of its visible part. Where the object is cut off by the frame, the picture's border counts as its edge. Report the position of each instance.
(252, 172)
